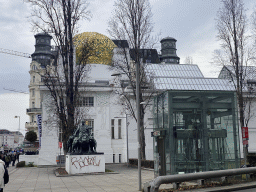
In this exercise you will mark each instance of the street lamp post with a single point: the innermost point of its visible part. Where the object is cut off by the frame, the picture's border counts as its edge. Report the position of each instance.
(19, 121)
(138, 120)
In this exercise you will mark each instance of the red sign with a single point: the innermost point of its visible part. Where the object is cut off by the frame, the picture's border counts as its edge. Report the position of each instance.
(60, 144)
(245, 142)
(245, 134)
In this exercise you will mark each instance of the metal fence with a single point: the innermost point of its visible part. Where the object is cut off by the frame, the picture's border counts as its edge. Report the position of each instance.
(154, 185)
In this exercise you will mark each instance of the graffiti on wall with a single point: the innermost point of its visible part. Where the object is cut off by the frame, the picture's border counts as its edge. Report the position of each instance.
(80, 162)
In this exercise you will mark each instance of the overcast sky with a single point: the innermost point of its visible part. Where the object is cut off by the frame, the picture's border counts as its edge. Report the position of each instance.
(191, 22)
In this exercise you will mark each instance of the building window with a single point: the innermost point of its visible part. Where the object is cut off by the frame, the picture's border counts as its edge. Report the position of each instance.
(34, 67)
(119, 128)
(112, 129)
(120, 157)
(90, 123)
(33, 92)
(32, 118)
(114, 158)
(34, 79)
(86, 102)
(33, 104)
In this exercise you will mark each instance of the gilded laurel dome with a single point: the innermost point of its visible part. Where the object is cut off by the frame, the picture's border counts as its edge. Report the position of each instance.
(93, 47)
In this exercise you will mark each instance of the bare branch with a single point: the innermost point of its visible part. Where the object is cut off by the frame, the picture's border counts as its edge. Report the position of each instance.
(63, 76)
(132, 21)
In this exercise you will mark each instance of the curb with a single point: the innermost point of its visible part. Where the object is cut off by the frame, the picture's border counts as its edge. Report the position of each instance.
(83, 174)
(235, 187)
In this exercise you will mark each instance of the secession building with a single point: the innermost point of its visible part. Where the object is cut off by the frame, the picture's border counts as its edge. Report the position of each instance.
(190, 126)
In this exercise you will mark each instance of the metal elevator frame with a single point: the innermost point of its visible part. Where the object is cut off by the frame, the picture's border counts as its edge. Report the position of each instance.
(200, 131)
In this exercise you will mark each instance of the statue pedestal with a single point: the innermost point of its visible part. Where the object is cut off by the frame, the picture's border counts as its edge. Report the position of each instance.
(91, 163)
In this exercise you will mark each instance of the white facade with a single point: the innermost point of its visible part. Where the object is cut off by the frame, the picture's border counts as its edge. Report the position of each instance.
(228, 72)
(8, 140)
(49, 140)
(35, 107)
(109, 119)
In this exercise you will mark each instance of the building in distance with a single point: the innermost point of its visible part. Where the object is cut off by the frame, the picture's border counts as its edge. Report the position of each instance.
(10, 140)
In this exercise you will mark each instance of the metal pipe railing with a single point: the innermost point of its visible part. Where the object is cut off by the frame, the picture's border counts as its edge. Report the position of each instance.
(155, 184)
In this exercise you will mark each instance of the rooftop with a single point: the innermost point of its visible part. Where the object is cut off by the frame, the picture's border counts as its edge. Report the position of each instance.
(184, 77)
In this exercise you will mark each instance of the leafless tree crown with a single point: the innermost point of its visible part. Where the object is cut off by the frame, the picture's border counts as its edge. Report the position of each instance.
(60, 19)
(132, 21)
(236, 53)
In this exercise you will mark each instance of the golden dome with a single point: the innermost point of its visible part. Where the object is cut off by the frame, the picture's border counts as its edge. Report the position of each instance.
(100, 48)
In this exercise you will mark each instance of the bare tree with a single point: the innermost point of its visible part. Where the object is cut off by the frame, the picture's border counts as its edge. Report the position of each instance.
(235, 54)
(132, 21)
(60, 18)
(188, 60)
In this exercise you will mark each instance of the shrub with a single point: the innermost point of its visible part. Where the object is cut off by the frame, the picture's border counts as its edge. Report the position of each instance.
(144, 163)
(30, 164)
(20, 164)
(31, 136)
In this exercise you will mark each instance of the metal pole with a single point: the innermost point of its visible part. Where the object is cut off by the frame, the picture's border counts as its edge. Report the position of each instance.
(138, 120)
(60, 149)
(19, 123)
(155, 184)
(127, 141)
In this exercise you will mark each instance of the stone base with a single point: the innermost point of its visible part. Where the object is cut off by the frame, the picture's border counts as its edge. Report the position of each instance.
(29, 158)
(91, 163)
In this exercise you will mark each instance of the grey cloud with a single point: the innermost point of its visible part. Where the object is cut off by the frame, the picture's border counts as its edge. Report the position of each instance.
(14, 81)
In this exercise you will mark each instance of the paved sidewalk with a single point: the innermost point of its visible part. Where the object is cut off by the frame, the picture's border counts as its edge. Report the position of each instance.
(123, 179)
(44, 180)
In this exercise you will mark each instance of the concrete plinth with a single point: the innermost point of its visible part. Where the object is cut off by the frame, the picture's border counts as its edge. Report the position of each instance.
(92, 163)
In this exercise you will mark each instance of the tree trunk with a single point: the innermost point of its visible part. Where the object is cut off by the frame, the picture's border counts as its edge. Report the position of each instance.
(142, 138)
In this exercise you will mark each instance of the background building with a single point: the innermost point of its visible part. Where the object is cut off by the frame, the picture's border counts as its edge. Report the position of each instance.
(42, 57)
(10, 140)
(249, 90)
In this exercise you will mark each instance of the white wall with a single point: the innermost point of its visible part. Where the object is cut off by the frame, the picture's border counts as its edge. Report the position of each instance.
(107, 106)
(29, 158)
(252, 129)
(49, 141)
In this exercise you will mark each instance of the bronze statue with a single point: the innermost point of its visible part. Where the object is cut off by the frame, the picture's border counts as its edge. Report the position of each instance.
(82, 141)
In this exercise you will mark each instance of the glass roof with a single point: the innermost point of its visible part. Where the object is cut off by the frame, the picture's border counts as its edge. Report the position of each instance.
(184, 77)
(174, 70)
(193, 84)
(248, 71)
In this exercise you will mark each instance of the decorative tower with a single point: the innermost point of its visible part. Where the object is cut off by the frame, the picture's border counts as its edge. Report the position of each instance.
(40, 59)
(168, 49)
(43, 53)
